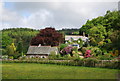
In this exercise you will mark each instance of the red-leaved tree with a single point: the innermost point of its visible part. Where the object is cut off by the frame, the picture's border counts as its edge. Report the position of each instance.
(47, 37)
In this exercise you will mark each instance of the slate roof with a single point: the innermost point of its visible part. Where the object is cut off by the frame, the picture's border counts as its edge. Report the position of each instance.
(74, 37)
(41, 50)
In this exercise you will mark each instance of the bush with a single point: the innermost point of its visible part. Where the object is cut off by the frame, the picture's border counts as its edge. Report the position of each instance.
(75, 49)
(23, 58)
(104, 57)
(52, 56)
(90, 62)
(66, 50)
(113, 65)
(79, 61)
(3, 51)
(5, 57)
(67, 57)
(95, 50)
(75, 56)
(16, 56)
(11, 57)
(83, 50)
(63, 46)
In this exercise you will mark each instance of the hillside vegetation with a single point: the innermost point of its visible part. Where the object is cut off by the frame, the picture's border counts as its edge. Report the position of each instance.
(20, 37)
(104, 31)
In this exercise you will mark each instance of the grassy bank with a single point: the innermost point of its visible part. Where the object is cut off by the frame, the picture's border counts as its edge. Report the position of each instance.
(49, 71)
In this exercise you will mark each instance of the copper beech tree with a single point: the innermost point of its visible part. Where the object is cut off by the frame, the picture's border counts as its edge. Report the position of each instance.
(47, 37)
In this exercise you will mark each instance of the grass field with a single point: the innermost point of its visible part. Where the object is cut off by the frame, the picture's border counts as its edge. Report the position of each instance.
(48, 71)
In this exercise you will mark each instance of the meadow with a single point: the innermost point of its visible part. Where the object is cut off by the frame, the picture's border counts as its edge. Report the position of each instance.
(50, 71)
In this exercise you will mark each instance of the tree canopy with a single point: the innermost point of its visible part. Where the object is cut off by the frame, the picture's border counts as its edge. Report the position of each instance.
(104, 30)
(18, 36)
(48, 37)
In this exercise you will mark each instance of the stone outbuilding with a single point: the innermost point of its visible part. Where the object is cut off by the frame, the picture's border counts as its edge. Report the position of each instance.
(41, 51)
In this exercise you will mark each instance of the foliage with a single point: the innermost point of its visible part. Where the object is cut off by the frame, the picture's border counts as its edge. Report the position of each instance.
(95, 51)
(90, 62)
(104, 31)
(67, 50)
(11, 57)
(84, 50)
(63, 46)
(16, 55)
(87, 53)
(16, 35)
(4, 57)
(105, 57)
(52, 56)
(115, 39)
(48, 36)
(20, 47)
(76, 56)
(69, 31)
(67, 57)
(11, 49)
(97, 34)
(3, 51)
(80, 42)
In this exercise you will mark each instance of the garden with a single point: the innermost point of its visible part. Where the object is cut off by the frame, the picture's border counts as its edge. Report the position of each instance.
(98, 56)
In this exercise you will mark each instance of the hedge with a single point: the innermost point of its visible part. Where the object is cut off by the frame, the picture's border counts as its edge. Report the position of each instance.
(82, 62)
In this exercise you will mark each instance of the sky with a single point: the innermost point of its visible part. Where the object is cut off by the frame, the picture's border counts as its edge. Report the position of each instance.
(38, 15)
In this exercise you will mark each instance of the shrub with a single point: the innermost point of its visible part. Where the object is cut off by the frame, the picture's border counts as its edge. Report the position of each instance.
(116, 65)
(11, 57)
(90, 62)
(75, 49)
(3, 51)
(95, 50)
(16, 55)
(81, 62)
(112, 65)
(83, 50)
(87, 53)
(52, 55)
(67, 57)
(76, 56)
(63, 46)
(66, 50)
(5, 57)
(105, 57)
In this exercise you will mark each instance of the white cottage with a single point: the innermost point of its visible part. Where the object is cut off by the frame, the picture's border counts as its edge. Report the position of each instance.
(75, 37)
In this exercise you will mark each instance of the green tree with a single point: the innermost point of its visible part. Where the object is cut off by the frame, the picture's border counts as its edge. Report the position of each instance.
(97, 34)
(20, 48)
(104, 31)
(11, 49)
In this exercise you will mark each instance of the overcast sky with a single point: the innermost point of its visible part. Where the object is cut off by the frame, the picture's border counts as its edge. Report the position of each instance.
(38, 15)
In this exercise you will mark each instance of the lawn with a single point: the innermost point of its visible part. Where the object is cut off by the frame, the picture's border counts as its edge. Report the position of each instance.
(49, 71)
